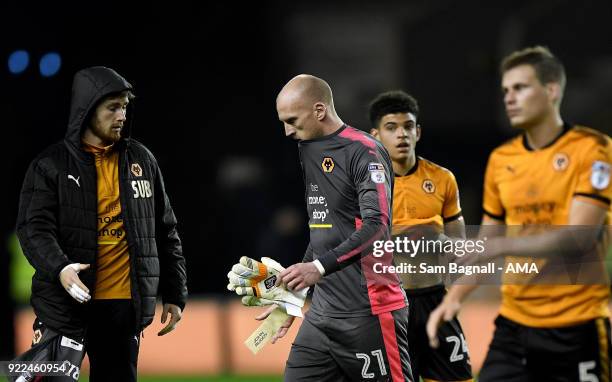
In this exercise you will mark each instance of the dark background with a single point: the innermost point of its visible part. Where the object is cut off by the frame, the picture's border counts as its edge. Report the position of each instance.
(206, 78)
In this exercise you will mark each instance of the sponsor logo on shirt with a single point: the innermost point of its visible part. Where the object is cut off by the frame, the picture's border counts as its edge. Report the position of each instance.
(315, 201)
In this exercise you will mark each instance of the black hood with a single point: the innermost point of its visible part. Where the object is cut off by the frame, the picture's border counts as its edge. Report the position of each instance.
(89, 87)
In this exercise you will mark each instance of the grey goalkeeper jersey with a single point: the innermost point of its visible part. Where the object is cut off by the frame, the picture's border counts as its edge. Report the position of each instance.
(349, 189)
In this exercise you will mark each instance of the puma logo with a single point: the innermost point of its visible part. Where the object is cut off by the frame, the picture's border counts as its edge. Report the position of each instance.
(76, 180)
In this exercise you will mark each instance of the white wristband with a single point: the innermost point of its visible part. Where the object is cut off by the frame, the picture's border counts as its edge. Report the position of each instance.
(319, 266)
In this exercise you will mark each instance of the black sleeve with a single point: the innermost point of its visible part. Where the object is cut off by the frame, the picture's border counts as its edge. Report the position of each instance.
(308, 255)
(372, 178)
(173, 272)
(37, 222)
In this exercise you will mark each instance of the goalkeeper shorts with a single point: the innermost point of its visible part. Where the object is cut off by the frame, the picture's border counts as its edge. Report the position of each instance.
(373, 348)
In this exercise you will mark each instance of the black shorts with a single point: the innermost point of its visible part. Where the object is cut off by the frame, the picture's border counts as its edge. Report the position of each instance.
(526, 354)
(451, 360)
(48, 345)
(370, 348)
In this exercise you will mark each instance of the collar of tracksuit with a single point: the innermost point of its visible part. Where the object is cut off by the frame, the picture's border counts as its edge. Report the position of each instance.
(96, 150)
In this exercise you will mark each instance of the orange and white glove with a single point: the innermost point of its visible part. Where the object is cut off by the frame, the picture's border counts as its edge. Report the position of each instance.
(251, 278)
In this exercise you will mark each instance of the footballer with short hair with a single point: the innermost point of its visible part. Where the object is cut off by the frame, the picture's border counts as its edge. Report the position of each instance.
(425, 195)
(356, 326)
(552, 174)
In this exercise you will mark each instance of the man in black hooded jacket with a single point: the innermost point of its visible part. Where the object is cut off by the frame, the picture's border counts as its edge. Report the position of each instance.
(96, 224)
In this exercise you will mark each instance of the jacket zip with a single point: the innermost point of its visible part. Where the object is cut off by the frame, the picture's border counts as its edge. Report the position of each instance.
(94, 266)
(123, 176)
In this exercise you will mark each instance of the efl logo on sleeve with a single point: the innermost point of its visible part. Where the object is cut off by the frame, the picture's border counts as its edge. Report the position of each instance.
(377, 172)
(600, 175)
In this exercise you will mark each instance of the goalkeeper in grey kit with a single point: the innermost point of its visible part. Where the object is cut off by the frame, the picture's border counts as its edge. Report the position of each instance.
(356, 328)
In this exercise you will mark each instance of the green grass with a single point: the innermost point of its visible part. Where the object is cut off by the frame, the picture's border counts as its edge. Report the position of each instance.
(220, 378)
(225, 378)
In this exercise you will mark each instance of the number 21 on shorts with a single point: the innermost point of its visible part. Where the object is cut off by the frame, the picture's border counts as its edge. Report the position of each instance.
(366, 363)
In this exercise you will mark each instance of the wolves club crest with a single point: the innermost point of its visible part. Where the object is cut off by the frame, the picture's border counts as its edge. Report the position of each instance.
(37, 337)
(429, 186)
(136, 169)
(328, 164)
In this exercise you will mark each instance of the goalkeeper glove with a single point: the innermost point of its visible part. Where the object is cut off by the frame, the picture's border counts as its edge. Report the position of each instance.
(253, 278)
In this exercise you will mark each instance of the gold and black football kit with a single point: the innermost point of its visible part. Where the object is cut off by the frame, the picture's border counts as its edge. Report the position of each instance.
(549, 332)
